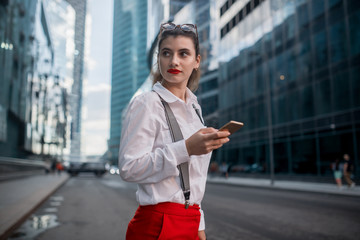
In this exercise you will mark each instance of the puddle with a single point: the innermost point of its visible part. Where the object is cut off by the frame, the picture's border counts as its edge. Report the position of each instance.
(50, 210)
(34, 226)
(57, 198)
(39, 223)
(55, 204)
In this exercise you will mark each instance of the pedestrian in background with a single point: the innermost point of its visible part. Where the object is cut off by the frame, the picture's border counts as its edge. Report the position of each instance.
(149, 153)
(337, 168)
(224, 170)
(348, 170)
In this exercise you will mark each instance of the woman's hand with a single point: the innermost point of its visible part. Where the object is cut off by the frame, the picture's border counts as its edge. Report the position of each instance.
(201, 235)
(206, 140)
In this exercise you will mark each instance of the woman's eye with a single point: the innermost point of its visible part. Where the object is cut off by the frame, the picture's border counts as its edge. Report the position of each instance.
(165, 53)
(184, 54)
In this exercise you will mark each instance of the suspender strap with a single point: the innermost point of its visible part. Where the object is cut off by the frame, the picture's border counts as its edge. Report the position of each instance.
(176, 135)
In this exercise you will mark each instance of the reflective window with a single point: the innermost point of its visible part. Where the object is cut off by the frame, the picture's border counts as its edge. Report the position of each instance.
(320, 49)
(338, 42)
(262, 115)
(307, 102)
(304, 58)
(303, 156)
(293, 106)
(336, 12)
(322, 99)
(302, 14)
(281, 158)
(317, 8)
(355, 87)
(354, 21)
(332, 147)
(341, 91)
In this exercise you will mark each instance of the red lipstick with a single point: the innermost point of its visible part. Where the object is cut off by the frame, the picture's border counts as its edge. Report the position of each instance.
(173, 71)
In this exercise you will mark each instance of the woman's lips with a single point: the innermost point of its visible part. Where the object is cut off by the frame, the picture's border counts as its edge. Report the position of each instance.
(173, 71)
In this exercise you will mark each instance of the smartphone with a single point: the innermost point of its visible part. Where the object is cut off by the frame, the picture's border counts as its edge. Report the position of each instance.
(232, 126)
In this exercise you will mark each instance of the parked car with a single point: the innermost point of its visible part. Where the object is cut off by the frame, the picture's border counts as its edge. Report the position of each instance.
(98, 168)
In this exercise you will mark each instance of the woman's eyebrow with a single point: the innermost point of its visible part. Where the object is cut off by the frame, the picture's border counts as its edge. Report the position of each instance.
(166, 49)
(184, 49)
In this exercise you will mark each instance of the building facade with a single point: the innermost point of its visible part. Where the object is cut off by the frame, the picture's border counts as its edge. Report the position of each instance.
(76, 100)
(129, 65)
(34, 94)
(290, 71)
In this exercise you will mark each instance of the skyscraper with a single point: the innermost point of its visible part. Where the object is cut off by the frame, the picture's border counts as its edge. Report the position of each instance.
(129, 66)
(78, 75)
(290, 71)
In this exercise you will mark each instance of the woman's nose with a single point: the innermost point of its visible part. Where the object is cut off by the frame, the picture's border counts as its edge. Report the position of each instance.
(175, 60)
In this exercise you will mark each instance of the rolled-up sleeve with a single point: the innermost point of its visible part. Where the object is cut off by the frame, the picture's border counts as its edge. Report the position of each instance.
(202, 221)
(139, 161)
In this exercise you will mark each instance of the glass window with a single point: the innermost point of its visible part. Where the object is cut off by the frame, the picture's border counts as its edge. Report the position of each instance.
(355, 88)
(260, 80)
(303, 156)
(261, 115)
(323, 93)
(303, 58)
(302, 14)
(293, 106)
(354, 34)
(332, 147)
(280, 111)
(281, 158)
(321, 55)
(341, 91)
(289, 27)
(336, 12)
(332, 3)
(317, 8)
(307, 100)
(338, 46)
(353, 6)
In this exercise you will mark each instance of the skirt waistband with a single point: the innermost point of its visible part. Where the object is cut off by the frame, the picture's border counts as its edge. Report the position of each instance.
(172, 208)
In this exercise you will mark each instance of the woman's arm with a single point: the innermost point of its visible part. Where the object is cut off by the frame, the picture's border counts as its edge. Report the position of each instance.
(138, 160)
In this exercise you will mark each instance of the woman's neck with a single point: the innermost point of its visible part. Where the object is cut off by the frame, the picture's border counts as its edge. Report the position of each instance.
(176, 89)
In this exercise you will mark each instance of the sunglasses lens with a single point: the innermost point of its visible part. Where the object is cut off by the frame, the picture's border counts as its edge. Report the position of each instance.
(188, 28)
(168, 26)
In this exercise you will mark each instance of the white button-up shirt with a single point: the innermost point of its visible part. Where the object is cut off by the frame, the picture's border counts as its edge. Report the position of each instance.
(150, 158)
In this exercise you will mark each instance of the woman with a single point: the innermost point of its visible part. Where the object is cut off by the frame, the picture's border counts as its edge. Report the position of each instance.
(149, 157)
(337, 171)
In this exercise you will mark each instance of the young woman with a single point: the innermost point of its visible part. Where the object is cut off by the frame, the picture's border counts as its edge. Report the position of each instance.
(148, 155)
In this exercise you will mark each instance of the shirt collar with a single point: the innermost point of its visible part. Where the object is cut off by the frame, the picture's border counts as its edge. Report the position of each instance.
(170, 97)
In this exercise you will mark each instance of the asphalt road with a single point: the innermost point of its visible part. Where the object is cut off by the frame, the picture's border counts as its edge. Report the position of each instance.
(87, 207)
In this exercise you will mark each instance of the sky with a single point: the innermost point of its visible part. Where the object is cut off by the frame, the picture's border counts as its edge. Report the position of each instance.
(96, 105)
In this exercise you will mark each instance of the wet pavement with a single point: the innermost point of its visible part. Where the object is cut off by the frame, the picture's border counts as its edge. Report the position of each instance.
(42, 220)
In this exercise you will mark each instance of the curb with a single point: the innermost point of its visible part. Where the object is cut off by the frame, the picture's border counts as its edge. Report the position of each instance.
(17, 223)
(318, 188)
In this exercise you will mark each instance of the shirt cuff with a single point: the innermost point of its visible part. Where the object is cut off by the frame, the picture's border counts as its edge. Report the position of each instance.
(180, 151)
(202, 221)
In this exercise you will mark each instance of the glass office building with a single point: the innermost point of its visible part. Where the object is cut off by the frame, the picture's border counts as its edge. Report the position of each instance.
(80, 7)
(290, 71)
(129, 62)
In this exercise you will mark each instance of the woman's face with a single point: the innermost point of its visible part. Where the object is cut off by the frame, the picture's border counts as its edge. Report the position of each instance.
(177, 59)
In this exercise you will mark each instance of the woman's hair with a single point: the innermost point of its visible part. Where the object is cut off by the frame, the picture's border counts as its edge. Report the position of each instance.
(195, 75)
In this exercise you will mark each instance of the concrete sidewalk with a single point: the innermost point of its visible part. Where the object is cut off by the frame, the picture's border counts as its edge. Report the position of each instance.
(287, 185)
(20, 197)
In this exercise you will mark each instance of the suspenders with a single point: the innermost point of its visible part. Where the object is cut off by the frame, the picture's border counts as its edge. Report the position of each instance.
(176, 135)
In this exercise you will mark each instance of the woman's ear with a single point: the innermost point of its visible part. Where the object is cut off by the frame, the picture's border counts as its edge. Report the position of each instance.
(198, 59)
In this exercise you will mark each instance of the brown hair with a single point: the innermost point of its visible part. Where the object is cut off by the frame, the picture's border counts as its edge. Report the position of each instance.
(193, 81)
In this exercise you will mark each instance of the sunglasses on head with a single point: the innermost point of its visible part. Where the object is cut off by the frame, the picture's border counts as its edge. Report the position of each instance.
(184, 27)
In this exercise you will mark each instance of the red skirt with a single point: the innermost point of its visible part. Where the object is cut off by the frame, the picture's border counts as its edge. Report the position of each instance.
(164, 221)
